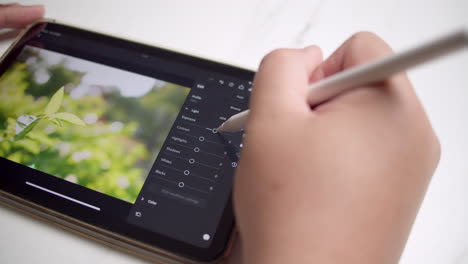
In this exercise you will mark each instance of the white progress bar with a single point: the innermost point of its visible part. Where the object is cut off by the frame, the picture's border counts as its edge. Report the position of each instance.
(63, 196)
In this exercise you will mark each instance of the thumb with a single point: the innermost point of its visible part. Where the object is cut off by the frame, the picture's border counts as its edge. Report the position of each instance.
(17, 16)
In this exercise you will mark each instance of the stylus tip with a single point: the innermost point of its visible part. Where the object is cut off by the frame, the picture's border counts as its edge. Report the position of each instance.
(221, 128)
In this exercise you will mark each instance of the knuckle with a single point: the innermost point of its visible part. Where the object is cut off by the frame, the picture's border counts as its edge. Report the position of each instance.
(430, 153)
(438, 149)
(365, 46)
(365, 37)
(434, 148)
(370, 41)
(275, 56)
(428, 145)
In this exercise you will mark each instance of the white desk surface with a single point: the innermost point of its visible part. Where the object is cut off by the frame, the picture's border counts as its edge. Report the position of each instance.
(243, 31)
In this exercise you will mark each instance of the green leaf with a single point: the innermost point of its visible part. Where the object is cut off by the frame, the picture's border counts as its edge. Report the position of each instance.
(16, 157)
(59, 122)
(55, 102)
(69, 117)
(56, 122)
(24, 125)
(29, 145)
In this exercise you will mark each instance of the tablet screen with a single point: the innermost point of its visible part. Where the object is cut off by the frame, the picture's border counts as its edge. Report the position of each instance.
(122, 136)
(88, 123)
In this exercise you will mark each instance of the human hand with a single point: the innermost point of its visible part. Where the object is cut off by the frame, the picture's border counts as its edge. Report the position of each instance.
(340, 183)
(18, 16)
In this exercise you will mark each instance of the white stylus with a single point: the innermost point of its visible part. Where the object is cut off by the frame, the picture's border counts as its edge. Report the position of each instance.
(372, 72)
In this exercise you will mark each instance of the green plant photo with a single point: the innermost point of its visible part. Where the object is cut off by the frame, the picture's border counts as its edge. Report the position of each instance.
(25, 123)
(84, 122)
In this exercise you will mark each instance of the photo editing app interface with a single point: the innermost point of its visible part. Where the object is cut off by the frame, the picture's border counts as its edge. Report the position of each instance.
(146, 139)
(190, 183)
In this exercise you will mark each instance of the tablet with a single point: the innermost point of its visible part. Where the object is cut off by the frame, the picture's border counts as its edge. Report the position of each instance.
(118, 140)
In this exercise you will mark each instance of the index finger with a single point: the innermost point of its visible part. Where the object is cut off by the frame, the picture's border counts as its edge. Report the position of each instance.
(361, 48)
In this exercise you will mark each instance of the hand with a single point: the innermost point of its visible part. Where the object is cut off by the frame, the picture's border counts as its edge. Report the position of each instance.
(18, 16)
(340, 183)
